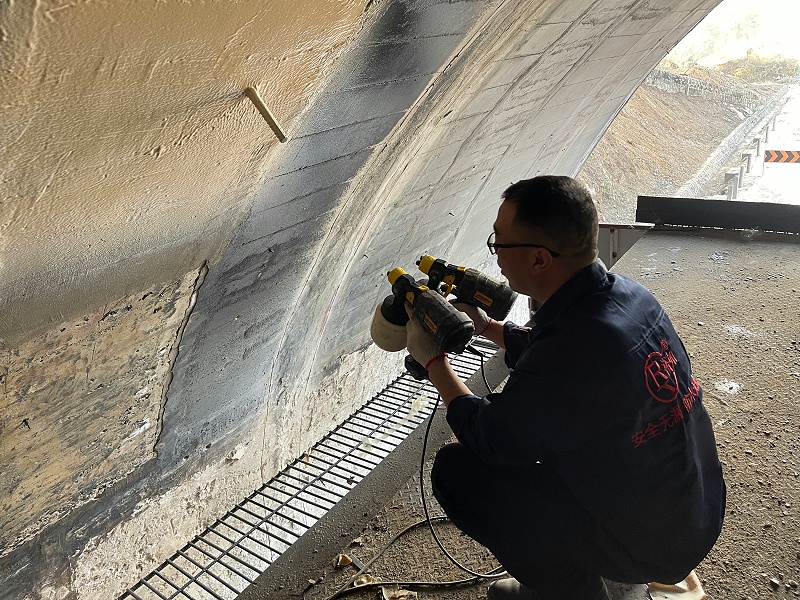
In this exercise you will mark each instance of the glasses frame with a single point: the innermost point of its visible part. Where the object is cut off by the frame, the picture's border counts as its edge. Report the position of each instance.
(493, 246)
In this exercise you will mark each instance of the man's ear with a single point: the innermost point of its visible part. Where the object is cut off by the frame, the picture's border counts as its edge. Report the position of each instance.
(541, 260)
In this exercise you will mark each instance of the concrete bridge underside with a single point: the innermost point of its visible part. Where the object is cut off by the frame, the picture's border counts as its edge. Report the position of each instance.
(184, 300)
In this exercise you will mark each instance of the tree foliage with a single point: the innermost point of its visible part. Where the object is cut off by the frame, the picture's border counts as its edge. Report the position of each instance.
(763, 69)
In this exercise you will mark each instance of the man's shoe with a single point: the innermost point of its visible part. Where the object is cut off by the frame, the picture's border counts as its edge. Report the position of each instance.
(510, 589)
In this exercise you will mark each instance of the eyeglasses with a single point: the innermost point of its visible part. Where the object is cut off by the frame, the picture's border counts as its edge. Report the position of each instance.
(493, 247)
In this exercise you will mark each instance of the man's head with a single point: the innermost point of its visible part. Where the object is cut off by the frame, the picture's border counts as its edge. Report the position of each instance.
(560, 210)
(555, 219)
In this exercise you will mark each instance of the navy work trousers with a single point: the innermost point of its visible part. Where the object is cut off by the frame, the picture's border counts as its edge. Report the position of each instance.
(529, 520)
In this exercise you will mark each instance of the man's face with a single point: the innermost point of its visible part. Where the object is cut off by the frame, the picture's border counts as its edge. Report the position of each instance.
(514, 263)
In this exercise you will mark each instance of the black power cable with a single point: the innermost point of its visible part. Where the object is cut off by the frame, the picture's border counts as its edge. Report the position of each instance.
(476, 576)
(473, 350)
(347, 589)
(492, 574)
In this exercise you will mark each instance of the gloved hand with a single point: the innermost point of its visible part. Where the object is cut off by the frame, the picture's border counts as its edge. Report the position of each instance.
(478, 316)
(420, 344)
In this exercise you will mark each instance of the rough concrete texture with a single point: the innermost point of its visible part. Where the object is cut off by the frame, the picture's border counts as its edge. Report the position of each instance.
(112, 553)
(82, 406)
(137, 160)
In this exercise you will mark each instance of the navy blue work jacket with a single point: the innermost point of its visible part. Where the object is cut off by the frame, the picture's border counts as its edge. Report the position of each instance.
(601, 391)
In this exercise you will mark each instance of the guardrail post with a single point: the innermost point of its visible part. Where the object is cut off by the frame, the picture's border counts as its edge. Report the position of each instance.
(747, 157)
(766, 135)
(732, 184)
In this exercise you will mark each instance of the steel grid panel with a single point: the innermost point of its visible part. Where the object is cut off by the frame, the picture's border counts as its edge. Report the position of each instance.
(222, 561)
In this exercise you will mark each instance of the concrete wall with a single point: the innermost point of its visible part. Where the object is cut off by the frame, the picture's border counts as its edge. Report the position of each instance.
(184, 301)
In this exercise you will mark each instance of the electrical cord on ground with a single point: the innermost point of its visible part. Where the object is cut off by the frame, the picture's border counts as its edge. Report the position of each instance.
(348, 587)
(492, 574)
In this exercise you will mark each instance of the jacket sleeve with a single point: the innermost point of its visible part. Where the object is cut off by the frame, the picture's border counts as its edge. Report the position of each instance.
(463, 416)
(516, 340)
(544, 410)
(489, 426)
(481, 426)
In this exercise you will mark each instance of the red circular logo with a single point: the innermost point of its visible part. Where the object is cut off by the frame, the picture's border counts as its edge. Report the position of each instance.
(660, 377)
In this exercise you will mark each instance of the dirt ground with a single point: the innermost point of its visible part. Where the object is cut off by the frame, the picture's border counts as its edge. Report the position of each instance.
(754, 309)
(656, 144)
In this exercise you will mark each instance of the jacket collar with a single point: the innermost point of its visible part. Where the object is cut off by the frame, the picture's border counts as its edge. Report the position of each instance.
(587, 280)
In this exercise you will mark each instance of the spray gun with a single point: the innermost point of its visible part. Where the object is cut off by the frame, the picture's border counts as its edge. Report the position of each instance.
(469, 286)
(451, 328)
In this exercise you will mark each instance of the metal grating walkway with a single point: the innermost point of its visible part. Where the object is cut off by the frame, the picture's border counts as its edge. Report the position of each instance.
(223, 560)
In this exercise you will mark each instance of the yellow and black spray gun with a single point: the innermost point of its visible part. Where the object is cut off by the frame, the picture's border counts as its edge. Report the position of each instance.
(469, 286)
(451, 328)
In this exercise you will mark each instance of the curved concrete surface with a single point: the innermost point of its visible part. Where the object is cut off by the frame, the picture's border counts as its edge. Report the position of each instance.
(185, 301)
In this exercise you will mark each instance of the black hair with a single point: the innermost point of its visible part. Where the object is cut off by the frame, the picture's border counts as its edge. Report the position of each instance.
(561, 208)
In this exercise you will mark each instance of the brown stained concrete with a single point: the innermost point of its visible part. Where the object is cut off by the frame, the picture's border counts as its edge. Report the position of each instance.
(81, 406)
(118, 147)
(82, 412)
(162, 524)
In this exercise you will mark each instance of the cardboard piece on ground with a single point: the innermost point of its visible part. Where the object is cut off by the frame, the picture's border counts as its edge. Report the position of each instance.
(688, 589)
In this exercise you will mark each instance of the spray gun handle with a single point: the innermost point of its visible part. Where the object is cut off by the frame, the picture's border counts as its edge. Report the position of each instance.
(416, 369)
(442, 277)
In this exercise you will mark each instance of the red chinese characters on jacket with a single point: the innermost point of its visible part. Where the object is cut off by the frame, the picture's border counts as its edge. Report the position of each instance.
(661, 381)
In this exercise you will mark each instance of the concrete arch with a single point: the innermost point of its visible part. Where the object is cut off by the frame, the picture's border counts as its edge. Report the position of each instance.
(427, 110)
